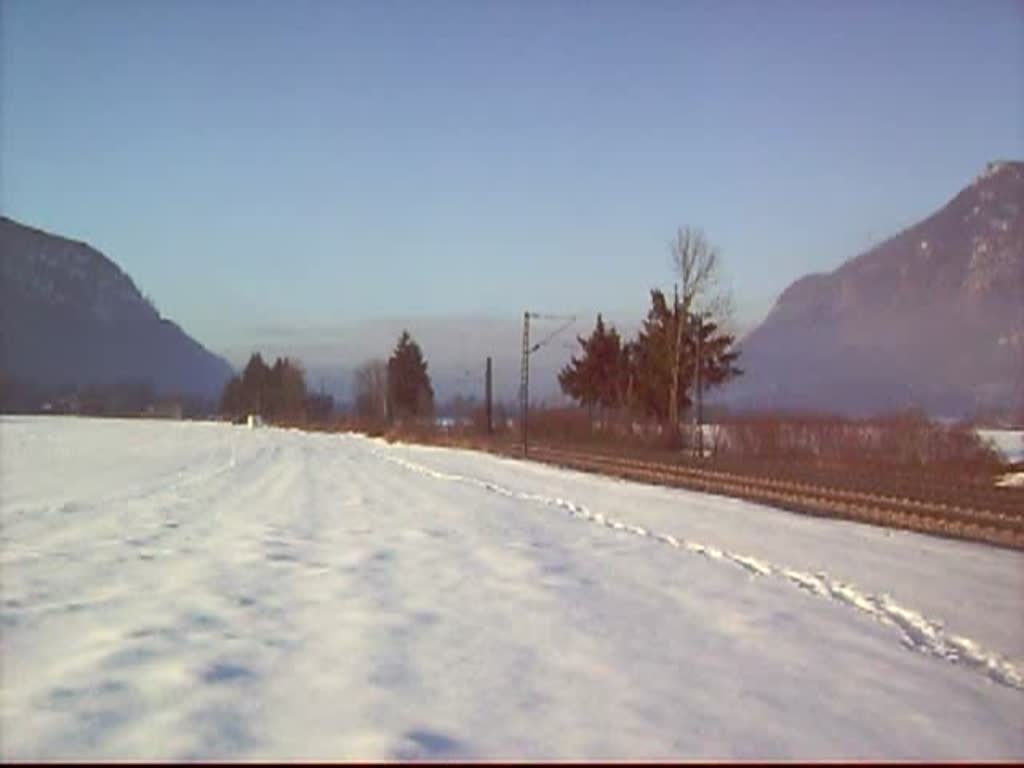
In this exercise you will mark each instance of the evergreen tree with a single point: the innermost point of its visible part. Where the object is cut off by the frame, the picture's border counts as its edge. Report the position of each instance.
(652, 359)
(292, 390)
(718, 356)
(254, 382)
(231, 398)
(285, 391)
(595, 378)
(577, 378)
(277, 392)
(653, 355)
(625, 379)
(410, 394)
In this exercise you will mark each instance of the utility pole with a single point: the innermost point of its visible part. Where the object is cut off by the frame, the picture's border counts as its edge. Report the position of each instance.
(524, 380)
(488, 396)
(699, 415)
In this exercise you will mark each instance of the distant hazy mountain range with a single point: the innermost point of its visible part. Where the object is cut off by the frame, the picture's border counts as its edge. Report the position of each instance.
(932, 318)
(69, 317)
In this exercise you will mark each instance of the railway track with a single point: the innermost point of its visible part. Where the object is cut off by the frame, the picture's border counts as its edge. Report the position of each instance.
(961, 511)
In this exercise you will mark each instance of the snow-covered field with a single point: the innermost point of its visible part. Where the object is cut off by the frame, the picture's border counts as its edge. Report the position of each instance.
(1009, 442)
(188, 591)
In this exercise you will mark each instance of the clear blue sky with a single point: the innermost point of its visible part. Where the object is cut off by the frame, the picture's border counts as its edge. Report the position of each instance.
(258, 165)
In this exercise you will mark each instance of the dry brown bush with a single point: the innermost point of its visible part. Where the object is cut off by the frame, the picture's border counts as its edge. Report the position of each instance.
(897, 441)
(907, 439)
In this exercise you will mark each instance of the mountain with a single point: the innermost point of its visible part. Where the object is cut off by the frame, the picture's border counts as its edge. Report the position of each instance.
(70, 318)
(932, 318)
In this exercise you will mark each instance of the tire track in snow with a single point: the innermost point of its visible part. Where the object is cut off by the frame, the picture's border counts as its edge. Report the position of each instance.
(919, 633)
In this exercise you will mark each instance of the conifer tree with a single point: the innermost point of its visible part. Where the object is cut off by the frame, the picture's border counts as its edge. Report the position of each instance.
(595, 378)
(653, 353)
(231, 398)
(410, 394)
(254, 381)
(277, 392)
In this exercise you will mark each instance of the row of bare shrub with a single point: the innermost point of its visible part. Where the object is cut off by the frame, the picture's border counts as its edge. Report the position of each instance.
(582, 427)
(909, 439)
(906, 439)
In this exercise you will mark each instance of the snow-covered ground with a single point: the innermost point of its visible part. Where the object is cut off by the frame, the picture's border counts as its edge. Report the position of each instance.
(188, 591)
(1009, 442)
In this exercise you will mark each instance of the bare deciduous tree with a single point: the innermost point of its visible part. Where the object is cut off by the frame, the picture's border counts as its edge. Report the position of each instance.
(371, 390)
(696, 264)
